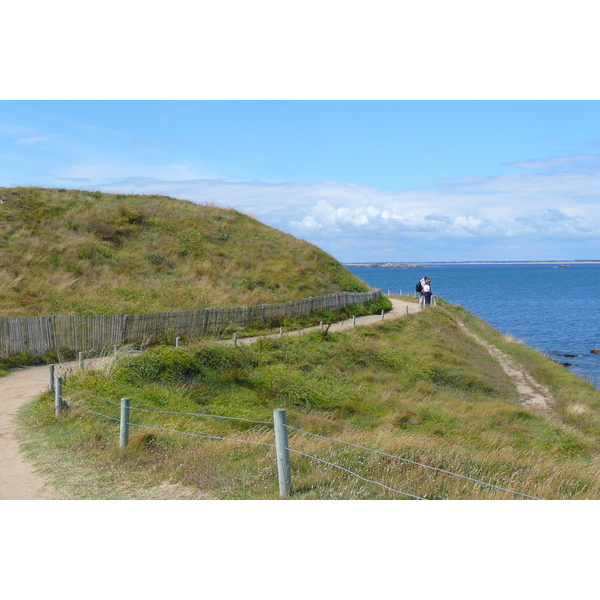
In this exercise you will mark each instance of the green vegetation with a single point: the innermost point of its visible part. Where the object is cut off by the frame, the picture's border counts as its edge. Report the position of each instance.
(417, 387)
(77, 252)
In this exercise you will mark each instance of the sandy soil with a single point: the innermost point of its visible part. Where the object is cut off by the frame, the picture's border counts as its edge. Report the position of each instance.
(18, 481)
(531, 394)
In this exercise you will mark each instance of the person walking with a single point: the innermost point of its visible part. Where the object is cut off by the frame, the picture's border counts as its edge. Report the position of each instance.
(426, 293)
(421, 297)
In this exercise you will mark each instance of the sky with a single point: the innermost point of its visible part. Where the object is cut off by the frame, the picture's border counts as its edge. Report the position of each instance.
(365, 180)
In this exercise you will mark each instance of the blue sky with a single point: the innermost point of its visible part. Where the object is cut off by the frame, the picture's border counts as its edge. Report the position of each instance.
(364, 180)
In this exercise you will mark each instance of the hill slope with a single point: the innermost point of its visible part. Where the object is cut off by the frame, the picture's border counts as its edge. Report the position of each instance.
(76, 252)
(423, 387)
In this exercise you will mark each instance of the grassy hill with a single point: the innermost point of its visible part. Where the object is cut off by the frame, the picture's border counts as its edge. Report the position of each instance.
(418, 387)
(76, 252)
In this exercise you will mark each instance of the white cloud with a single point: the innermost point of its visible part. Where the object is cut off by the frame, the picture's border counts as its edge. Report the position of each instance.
(553, 211)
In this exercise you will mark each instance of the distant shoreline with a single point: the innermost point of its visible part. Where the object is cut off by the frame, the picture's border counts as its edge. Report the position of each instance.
(475, 262)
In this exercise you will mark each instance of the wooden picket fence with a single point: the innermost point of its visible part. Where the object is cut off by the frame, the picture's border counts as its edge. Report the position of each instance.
(37, 335)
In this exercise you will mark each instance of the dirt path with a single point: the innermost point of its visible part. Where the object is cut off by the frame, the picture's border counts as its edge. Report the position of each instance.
(531, 394)
(18, 479)
(399, 309)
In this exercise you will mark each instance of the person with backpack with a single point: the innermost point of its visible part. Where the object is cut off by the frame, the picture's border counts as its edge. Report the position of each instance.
(426, 293)
(419, 289)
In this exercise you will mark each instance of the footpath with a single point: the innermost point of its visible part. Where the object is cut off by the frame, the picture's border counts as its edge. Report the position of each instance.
(18, 479)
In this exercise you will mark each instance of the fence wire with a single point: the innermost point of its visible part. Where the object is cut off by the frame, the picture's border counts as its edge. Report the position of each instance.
(169, 412)
(355, 474)
(93, 411)
(91, 396)
(486, 484)
(412, 462)
(212, 437)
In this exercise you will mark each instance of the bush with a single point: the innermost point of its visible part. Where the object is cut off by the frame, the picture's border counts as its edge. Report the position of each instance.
(162, 364)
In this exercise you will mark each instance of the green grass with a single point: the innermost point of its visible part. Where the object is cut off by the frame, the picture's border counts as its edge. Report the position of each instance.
(417, 387)
(78, 252)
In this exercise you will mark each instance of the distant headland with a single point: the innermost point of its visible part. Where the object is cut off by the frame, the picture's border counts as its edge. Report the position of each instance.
(473, 262)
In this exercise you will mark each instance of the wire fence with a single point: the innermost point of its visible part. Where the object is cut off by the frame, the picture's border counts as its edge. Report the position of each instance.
(62, 404)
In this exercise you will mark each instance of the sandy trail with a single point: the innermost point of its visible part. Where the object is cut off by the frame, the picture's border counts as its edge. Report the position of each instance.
(399, 309)
(531, 394)
(18, 479)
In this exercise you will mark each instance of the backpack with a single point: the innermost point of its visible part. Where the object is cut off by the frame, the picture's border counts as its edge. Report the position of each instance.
(419, 287)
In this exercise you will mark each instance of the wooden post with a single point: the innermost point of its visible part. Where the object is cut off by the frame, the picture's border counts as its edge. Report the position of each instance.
(176, 342)
(407, 309)
(280, 331)
(124, 429)
(235, 338)
(284, 470)
(321, 324)
(58, 395)
(51, 380)
(354, 321)
(81, 360)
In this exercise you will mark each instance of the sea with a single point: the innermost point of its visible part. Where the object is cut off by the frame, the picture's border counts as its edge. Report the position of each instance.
(552, 307)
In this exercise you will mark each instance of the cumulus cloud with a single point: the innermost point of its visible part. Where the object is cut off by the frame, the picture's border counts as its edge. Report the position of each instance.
(545, 212)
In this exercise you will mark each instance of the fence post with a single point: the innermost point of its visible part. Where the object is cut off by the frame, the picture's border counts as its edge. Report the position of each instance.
(407, 309)
(81, 360)
(283, 453)
(58, 395)
(51, 382)
(176, 342)
(124, 429)
(382, 314)
(353, 320)
(280, 331)
(235, 338)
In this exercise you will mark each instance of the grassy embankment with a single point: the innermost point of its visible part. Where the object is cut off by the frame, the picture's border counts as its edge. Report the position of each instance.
(417, 387)
(76, 252)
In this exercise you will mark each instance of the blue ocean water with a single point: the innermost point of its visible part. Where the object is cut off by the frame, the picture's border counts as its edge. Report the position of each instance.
(554, 310)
